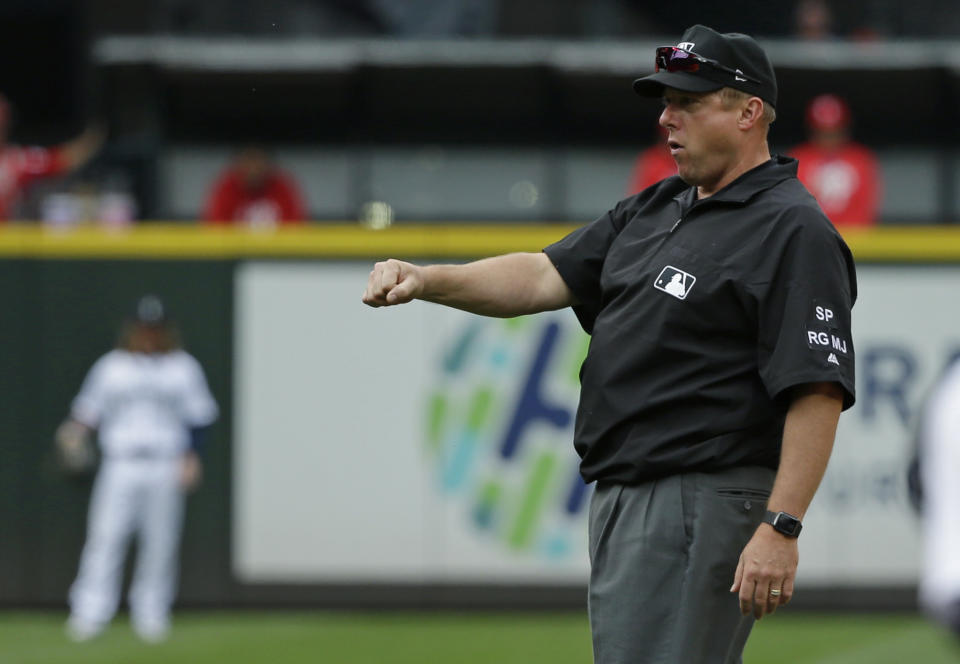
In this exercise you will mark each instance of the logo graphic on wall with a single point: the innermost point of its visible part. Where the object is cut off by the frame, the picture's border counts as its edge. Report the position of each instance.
(499, 432)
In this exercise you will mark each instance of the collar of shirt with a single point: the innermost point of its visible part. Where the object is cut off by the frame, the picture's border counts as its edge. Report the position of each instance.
(760, 178)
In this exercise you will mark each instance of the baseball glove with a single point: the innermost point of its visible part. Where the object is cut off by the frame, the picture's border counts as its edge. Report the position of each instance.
(76, 454)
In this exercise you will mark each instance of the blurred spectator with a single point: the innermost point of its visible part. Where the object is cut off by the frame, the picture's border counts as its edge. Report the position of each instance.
(254, 192)
(813, 20)
(20, 165)
(842, 174)
(106, 201)
(934, 483)
(149, 402)
(653, 164)
(117, 206)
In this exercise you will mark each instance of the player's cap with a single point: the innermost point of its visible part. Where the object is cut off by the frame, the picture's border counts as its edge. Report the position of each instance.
(828, 113)
(705, 60)
(150, 311)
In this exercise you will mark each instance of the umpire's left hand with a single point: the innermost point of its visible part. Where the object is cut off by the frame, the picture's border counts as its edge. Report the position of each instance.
(768, 563)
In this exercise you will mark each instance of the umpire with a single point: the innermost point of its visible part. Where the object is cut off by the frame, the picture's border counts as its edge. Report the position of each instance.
(718, 303)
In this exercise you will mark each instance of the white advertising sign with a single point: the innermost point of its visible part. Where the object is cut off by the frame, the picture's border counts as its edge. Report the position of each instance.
(420, 443)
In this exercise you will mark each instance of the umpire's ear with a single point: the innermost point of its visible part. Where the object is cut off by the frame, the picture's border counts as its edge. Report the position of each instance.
(751, 113)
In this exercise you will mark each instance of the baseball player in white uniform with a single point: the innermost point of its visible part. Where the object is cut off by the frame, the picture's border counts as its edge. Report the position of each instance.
(149, 403)
(939, 470)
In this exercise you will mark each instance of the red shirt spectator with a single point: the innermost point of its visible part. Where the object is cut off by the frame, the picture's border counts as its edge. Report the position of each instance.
(843, 175)
(254, 192)
(652, 165)
(20, 165)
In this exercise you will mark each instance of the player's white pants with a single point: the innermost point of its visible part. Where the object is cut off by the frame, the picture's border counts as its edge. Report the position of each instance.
(141, 496)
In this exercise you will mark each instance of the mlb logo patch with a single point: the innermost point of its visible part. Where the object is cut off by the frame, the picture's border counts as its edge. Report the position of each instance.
(674, 281)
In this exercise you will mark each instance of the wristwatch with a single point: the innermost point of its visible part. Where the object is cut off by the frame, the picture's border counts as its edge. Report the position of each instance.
(783, 523)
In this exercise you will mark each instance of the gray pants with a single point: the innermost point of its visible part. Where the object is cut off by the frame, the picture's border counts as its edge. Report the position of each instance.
(663, 555)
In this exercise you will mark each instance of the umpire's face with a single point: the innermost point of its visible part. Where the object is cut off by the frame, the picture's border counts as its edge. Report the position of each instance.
(703, 136)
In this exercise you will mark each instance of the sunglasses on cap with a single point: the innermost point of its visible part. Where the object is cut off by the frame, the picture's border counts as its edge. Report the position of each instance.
(675, 59)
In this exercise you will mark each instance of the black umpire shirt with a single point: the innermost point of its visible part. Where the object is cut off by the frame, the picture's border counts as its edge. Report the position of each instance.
(703, 314)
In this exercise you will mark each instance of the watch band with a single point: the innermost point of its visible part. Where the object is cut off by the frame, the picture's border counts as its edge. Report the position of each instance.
(783, 523)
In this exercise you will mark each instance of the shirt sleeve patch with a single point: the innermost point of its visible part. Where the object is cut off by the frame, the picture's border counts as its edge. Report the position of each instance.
(823, 332)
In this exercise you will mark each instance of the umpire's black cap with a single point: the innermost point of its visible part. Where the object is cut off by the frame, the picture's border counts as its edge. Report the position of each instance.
(731, 60)
(150, 311)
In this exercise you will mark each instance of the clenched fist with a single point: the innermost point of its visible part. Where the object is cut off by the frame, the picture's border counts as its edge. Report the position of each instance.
(393, 282)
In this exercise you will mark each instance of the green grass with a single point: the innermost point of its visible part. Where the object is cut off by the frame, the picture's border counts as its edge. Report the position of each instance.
(424, 638)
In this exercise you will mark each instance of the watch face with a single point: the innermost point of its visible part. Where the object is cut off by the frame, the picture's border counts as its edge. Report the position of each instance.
(786, 524)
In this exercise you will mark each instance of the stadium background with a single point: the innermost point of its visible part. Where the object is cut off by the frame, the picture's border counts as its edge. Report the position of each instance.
(490, 127)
